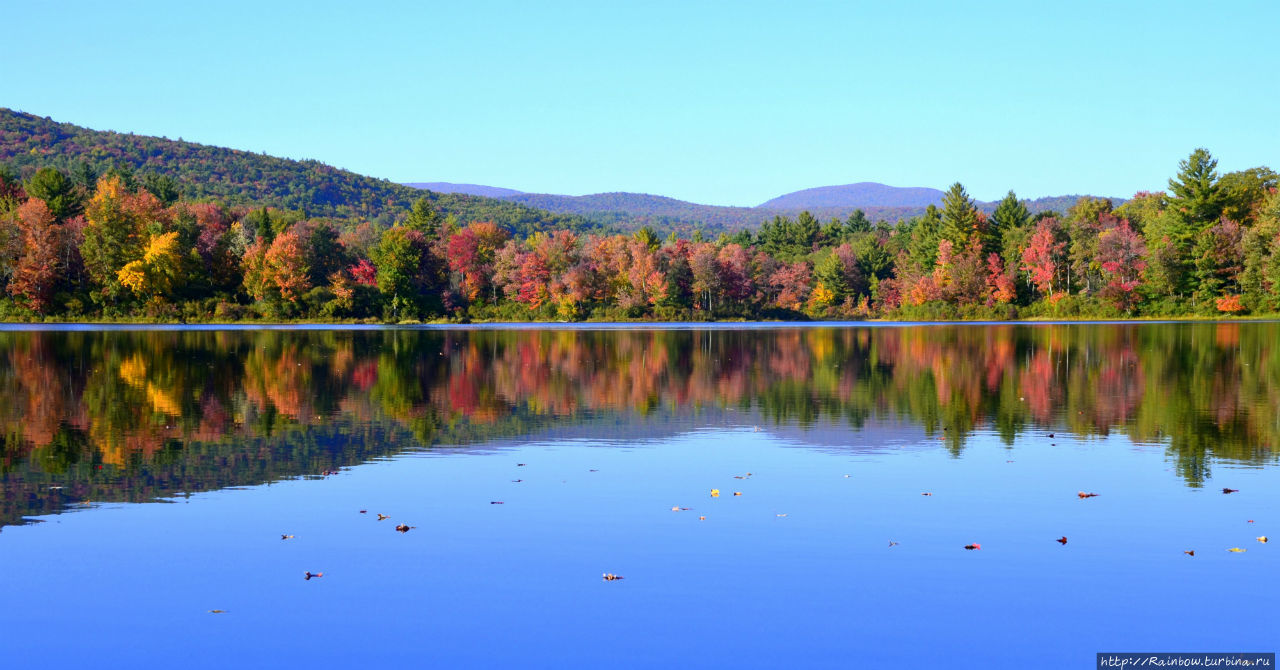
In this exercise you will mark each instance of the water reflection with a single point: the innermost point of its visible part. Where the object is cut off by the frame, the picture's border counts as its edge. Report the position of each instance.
(135, 415)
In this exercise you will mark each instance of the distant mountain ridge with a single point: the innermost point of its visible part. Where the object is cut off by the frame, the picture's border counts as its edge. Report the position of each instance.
(629, 211)
(466, 189)
(863, 194)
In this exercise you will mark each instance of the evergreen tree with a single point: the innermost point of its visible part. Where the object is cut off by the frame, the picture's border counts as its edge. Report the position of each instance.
(925, 234)
(648, 237)
(742, 238)
(163, 187)
(424, 219)
(1009, 214)
(830, 274)
(1196, 195)
(857, 223)
(959, 216)
(59, 194)
(805, 233)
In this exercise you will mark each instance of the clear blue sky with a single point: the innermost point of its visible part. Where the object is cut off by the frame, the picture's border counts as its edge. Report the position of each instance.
(722, 103)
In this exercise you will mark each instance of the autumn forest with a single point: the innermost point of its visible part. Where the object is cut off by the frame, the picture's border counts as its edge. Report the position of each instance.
(201, 237)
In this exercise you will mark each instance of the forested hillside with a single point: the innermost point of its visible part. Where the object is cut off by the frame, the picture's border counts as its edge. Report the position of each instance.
(200, 172)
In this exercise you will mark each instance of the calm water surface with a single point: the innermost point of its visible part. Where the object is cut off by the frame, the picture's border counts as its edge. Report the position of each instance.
(148, 477)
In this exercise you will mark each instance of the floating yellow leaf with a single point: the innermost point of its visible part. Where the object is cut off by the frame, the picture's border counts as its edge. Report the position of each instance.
(715, 493)
(737, 493)
(1237, 550)
(1262, 538)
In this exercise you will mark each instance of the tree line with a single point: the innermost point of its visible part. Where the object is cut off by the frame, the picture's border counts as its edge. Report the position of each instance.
(119, 246)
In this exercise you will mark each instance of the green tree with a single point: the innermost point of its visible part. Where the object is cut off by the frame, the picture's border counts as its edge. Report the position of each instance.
(59, 194)
(805, 233)
(399, 256)
(424, 218)
(1195, 190)
(959, 216)
(1010, 213)
(1244, 192)
(163, 187)
(857, 223)
(926, 232)
(648, 238)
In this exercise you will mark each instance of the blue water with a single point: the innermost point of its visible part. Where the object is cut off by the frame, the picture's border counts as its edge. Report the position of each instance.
(519, 584)
(797, 571)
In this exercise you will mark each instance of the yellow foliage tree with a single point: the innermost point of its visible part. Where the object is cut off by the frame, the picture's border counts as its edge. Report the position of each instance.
(155, 273)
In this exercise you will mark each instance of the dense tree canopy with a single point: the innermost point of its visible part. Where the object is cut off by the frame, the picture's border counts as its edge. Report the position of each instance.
(121, 247)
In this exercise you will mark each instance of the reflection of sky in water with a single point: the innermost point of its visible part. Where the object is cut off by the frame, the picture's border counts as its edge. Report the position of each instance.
(233, 429)
(518, 584)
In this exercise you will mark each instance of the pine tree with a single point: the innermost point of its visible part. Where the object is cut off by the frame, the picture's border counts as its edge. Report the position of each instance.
(925, 234)
(805, 233)
(1196, 194)
(58, 193)
(424, 219)
(1009, 214)
(959, 216)
(857, 223)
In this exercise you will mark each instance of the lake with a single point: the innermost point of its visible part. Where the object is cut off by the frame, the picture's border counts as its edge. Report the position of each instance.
(770, 496)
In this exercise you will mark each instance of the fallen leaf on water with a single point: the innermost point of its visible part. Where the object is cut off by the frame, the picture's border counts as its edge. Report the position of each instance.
(286, 537)
(847, 476)
(781, 515)
(520, 465)
(1250, 520)
(739, 477)
(496, 502)
(1062, 540)
(610, 577)
(217, 611)
(404, 528)
(926, 493)
(310, 574)
(702, 518)
(1190, 553)
(892, 543)
(1230, 490)
(383, 517)
(364, 511)
(593, 471)
(715, 493)
(1083, 495)
(1263, 539)
(737, 493)
(517, 481)
(973, 546)
(1237, 550)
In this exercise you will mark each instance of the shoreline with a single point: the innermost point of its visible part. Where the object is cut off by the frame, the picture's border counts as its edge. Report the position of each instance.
(71, 326)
